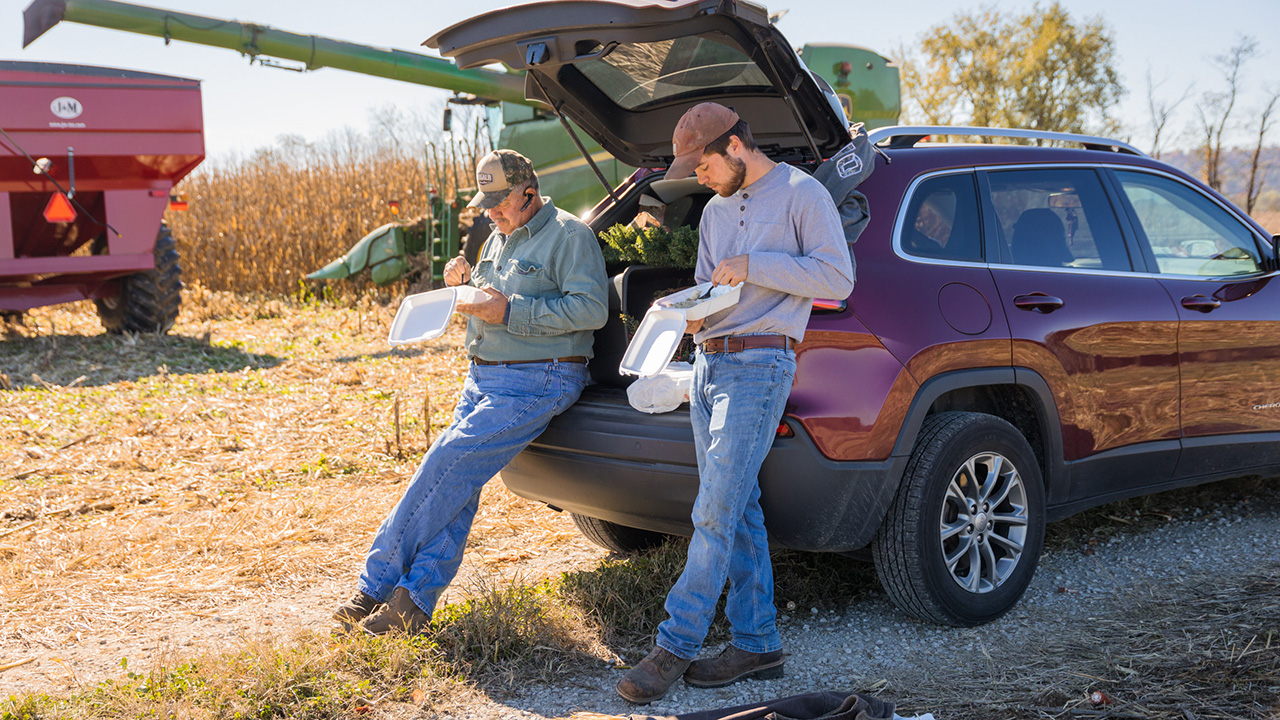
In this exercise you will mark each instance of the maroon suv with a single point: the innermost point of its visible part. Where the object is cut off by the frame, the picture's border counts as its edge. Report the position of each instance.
(1034, 330)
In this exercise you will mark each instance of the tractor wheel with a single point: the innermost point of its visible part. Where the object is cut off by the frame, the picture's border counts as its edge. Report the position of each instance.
(148, 301)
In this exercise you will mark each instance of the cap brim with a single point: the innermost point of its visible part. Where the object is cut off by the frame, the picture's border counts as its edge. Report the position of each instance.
(488, 200)
(683, 165)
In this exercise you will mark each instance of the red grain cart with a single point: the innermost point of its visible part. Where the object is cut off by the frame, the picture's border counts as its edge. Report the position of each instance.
(88, 157)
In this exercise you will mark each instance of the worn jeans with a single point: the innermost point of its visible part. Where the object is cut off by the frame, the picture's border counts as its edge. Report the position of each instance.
(502, 409)
(736, 402)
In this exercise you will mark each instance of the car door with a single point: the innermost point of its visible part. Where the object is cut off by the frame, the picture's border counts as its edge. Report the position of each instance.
(1103, 336)
(626, 72)
(1219, 272)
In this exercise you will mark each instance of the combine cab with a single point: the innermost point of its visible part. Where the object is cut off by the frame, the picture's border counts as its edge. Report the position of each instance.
(88, 158)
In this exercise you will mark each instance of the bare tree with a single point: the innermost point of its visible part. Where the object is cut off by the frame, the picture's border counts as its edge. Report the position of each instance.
(1161, 111)
(1255, 180)
(1215, 107)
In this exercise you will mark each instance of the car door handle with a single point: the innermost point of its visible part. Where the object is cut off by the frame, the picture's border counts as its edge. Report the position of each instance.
(1037, 302)
(1203, 303)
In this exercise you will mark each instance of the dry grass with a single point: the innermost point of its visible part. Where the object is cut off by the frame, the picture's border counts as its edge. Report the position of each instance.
(147, 483)
(1268, 219)
(1203, 650)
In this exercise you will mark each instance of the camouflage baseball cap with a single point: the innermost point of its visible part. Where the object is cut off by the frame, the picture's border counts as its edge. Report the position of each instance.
(496, 174)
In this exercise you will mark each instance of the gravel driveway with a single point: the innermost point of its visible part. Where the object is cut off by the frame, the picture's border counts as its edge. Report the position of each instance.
(1063, 641)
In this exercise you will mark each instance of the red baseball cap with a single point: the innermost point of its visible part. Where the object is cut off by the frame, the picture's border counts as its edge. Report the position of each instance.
(700, 125)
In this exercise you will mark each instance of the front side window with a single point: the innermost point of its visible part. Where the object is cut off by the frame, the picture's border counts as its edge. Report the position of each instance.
(1188, 233)
(942, 220)
(636, 74)
(1057, 217)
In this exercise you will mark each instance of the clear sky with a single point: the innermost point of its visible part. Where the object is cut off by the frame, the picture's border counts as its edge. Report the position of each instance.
(246, 107)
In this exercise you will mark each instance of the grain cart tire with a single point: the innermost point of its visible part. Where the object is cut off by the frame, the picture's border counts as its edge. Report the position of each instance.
(148, 301)
(962, 538)
(617, 538)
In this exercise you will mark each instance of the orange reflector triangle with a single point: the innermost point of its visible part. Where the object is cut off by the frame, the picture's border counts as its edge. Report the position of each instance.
(59, 209)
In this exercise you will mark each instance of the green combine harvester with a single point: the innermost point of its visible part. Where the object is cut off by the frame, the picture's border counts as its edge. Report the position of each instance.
(574, 170)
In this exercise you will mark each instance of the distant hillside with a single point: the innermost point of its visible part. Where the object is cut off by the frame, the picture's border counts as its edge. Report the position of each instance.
(1235, 169)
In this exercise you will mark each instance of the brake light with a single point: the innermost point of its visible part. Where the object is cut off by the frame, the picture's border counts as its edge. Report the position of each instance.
(59, 209)
(784, 431)
(829, 306)
(178, 202)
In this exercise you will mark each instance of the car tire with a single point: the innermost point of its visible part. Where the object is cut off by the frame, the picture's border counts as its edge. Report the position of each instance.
(975, 476)
(617, 538)
(149, 301)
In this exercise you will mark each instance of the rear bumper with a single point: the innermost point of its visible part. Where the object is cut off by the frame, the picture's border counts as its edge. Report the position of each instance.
(604, 459)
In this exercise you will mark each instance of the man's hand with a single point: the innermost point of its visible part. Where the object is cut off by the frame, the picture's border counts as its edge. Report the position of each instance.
(457, 271)
(731, 271)
(693, 326)
(492, 309)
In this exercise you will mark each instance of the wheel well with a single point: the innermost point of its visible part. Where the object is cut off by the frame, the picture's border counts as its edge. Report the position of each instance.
(1014, 404)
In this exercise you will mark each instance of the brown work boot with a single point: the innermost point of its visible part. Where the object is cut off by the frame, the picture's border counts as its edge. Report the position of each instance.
(359, 607)
(400, 613)
(651, 677)
(732, 665)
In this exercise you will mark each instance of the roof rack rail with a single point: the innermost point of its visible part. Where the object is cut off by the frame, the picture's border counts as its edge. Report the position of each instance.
(905, 136)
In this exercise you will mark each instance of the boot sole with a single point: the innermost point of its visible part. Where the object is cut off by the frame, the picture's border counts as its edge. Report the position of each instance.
(768, 672)
(639, 700)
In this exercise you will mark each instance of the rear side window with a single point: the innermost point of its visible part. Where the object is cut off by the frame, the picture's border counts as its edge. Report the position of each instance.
(1188, 233)
(1056, 217)
(942, 220)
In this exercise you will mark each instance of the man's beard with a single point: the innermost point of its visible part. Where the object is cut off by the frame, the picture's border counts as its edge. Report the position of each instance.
(735, 181)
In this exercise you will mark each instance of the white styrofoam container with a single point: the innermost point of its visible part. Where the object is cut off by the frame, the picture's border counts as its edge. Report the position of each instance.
(425, 316)
(663, 326)
(717, 298)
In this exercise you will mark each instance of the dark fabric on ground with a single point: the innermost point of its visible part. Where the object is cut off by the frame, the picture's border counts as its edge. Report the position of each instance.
(826, 705)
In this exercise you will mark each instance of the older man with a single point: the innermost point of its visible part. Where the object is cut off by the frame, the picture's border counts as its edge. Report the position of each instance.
(775, 231)
(529, 339)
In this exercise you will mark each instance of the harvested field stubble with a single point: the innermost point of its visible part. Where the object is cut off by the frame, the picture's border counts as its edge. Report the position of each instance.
(148, 484)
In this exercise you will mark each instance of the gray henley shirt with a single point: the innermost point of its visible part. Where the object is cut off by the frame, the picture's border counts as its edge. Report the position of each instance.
(788, 226)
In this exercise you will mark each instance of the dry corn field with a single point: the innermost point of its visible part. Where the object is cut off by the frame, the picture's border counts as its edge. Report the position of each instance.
(261, 226)
(163, 495)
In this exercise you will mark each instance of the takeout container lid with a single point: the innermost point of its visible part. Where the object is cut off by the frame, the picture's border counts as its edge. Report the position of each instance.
(425, 316)
(663, 326)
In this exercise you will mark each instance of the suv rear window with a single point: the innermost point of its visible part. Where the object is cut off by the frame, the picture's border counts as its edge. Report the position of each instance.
(636, 74)
(1057, 217)
(942, 220)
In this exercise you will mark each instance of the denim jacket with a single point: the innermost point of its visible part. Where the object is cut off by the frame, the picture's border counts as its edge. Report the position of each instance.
(552, 273)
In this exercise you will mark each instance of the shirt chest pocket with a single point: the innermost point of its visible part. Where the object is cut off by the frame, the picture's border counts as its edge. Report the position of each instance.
(526, 278)
(769, 236)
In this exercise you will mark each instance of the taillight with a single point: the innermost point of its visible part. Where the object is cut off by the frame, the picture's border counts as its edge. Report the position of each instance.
(829, 306)
(785, 431)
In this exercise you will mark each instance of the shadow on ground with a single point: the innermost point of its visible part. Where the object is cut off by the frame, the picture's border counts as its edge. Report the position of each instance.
(96, 360)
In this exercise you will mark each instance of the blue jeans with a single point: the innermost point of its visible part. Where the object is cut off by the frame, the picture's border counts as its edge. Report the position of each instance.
(502, 409)
(735, 403)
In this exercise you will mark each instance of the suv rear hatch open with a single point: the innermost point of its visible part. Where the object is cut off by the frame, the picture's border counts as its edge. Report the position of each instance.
(626, 71)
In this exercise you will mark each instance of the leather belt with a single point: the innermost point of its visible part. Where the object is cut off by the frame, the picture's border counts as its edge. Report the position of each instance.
(579, 359)
(738, 343)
